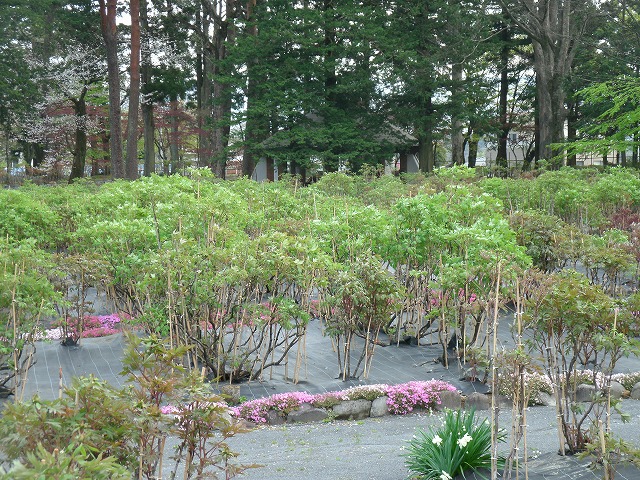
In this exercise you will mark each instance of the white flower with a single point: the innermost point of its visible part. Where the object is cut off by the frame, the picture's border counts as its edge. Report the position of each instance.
(437, 440)
(462, 442)
(445, 476)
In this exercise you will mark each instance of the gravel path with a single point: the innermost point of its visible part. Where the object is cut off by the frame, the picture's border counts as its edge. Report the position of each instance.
(373, 449)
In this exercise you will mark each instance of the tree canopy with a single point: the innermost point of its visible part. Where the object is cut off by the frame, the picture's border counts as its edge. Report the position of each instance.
(315, 84)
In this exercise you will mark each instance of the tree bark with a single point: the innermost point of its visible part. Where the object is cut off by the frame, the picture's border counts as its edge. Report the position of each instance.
(572, 131)
(80, 148)
(457, 137)
(556, 28)
(134, 92)
(174, 134)
(426, 155)
(147, 102)
(204, 92)
(110, 35)
(474, 139)
(505, 36)
(249, 159)
(223, 34)
(331, 161)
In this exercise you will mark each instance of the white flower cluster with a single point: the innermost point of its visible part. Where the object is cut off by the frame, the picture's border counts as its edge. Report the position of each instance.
(464, 441)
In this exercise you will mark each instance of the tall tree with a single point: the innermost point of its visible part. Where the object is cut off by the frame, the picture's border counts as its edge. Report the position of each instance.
(108, 14)
(556, 29)
(147, 102)
(256, 131)
(134, 92)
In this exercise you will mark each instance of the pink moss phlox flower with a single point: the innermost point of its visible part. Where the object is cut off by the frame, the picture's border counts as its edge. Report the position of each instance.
(169, 410)
(256, 410)
(401, 399)
(405, 397)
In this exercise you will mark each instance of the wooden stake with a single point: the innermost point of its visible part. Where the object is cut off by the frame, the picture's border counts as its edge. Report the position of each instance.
(494, 391)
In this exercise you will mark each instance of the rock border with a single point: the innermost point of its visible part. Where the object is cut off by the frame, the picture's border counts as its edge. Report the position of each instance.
(361, 408)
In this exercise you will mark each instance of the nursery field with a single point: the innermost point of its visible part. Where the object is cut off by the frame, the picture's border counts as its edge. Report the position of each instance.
(527, 286)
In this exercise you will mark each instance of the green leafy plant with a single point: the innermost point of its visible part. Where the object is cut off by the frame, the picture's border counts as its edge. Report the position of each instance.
(607, 452)
(461, 445)
(74, 461)
(127, 426)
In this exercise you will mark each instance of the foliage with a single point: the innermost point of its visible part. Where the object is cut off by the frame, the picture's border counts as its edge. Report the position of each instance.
(25, 294)
(574, 322)
(460, 446)
(608, 453)
(125, 427)
(92, 412)
(615, 126)
(74, 461)
(535, 383)
(25, 216)
(358, 302)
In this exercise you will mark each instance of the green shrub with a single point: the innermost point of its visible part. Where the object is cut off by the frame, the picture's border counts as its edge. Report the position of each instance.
(71, 462)
(459, 446)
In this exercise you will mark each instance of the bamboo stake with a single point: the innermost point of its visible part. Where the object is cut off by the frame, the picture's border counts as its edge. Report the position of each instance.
(60, 384)
(603, 447)
(169, 308)
(140, 457)
(286, 358)
(14, 319)
(559, 391)
(494, 392)
(162, 441)
(524, 443)
(304, 349)
(296, 370)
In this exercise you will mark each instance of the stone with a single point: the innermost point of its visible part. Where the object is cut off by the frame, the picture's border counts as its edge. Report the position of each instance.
(479, 401)
(231, 393)
(450, 400)
(379, 407)
(275, 418)
(504, 401)
(617, 390)
(307, 414)
(352, 410)
(546, 400)
(585, 393)
(635, 391)
(244, 425)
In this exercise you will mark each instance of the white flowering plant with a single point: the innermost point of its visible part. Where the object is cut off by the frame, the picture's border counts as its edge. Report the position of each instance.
(459, 446)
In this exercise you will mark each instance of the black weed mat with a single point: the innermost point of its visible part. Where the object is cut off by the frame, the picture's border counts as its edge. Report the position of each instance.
(551, 466)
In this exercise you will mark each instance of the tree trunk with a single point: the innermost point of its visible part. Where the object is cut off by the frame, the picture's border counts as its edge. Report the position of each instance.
(174, 135)
(134, 93)
(403, 158)
(253, 121)
(204, 94)
(502, 154)
(110, 35)
(147, 103)
(555, 28)
(80, 148)
(474, 139)
(572, 131)
(457, 137)
(223, 34)
(426, 154)
(252, 135)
